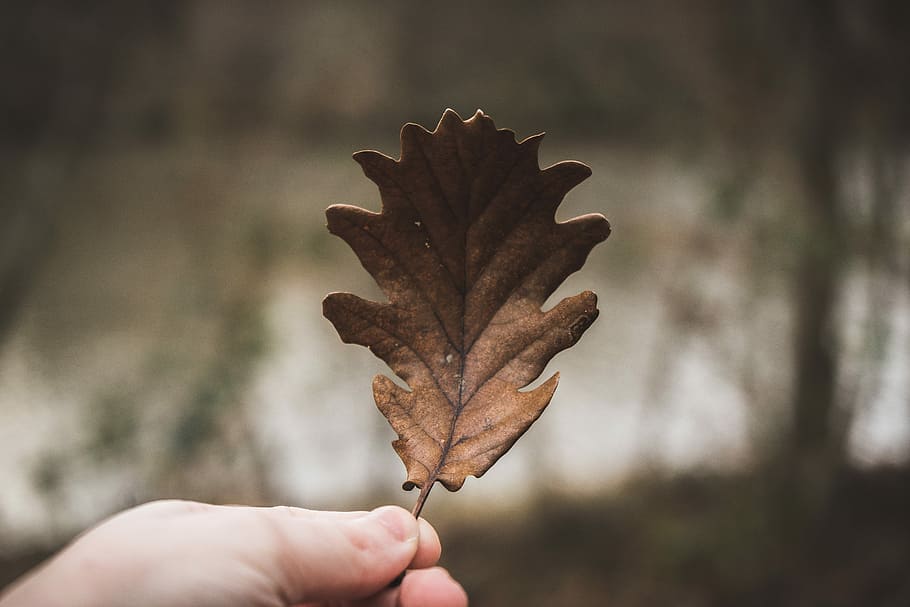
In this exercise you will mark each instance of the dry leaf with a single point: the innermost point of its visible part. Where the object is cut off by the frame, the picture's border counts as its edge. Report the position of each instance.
(467, 250)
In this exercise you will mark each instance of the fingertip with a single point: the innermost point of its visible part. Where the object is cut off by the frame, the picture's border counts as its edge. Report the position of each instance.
(398, 522)
(429, 548)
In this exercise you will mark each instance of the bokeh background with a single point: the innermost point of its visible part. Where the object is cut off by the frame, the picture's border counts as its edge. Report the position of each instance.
(735, 428)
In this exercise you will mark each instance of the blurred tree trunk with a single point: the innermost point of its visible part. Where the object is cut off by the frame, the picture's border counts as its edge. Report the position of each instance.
(817, 278)
(820, 133)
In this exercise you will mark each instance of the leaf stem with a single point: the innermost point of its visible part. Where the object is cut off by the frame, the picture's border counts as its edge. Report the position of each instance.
(422, 498)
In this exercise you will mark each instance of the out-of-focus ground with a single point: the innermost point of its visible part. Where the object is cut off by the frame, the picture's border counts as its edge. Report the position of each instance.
(734, 429)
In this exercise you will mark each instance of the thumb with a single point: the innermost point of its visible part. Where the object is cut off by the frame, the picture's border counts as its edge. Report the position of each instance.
(329, 555)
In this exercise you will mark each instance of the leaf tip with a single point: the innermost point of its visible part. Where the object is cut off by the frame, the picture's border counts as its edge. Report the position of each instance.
(583, 168)
(601, 226)
(595, 226)
(449, 117)
(607, 228)
(412, 130)
(340, 217)
(479, 116)
(572, 172)
(331, 303)
(454, 484)
(548, 388)
(533, 141)
(371, 161)
(332, 211)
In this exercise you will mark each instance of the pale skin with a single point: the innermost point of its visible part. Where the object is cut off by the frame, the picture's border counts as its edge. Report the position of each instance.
(187, 554)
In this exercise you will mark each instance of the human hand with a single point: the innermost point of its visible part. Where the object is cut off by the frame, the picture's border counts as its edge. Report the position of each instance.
(176, 553)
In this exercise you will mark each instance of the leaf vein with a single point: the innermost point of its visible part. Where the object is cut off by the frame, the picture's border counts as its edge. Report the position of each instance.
(414, 281)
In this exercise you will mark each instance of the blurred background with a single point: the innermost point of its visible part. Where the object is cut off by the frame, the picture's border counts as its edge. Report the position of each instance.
(735, 428)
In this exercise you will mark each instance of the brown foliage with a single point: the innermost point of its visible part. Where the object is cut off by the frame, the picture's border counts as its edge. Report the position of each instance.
(467, 250)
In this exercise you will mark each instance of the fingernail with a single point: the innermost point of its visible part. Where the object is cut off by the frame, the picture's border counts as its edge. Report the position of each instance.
(397, 522)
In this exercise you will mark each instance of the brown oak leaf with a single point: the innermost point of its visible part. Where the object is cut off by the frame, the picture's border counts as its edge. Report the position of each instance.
(467, 249)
